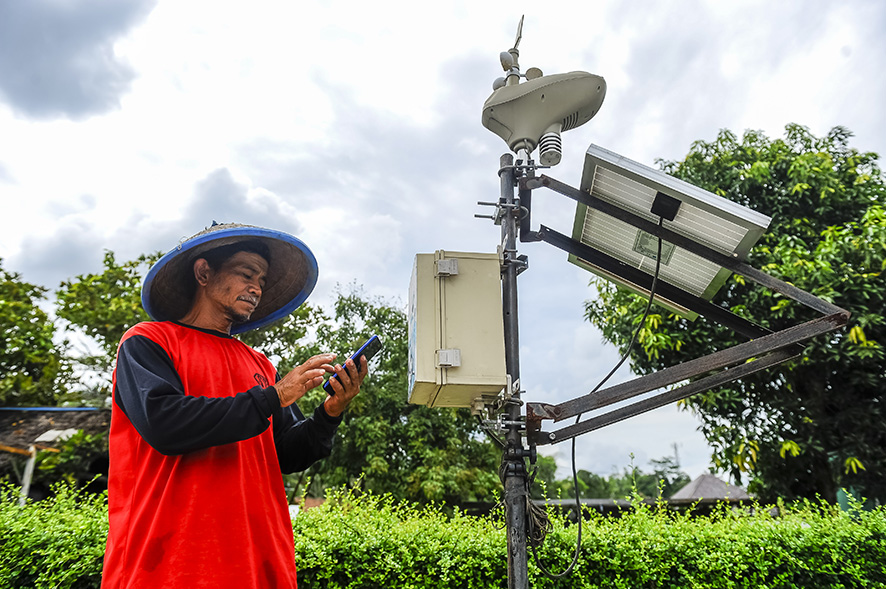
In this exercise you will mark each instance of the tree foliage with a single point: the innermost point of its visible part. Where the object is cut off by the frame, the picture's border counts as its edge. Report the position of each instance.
(665, 479)
(815, 424)
(105, 305)
(102, 306)
(390, 446)
(33, 370)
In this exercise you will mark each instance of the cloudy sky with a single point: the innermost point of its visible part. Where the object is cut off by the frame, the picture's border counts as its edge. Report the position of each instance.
(356, 126)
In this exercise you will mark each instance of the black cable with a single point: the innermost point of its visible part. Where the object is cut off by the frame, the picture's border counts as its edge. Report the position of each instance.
(640, 326)
(534, 510)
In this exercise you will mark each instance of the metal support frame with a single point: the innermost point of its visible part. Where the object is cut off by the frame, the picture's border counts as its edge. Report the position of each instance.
(513, 461)
(764, 350)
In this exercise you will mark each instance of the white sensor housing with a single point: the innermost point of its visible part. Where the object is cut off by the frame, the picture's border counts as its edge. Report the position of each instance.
(521, 113)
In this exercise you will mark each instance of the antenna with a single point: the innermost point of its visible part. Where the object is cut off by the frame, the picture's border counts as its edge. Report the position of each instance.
(519, 33)
(534, 113)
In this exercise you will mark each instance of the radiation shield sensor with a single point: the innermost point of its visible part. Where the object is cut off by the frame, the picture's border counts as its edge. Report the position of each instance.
(690, 211)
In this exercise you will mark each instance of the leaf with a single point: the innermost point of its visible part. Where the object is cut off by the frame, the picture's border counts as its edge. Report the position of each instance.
(789, 446)
(856, 335)
(854, 464)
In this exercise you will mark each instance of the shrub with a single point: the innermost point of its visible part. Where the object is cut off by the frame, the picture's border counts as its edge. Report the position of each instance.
(360, 541)
(56, 542)
(372, 541)
(807, 545)
(354, 542)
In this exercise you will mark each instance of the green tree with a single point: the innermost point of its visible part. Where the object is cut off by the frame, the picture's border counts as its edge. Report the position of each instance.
(411, 451)
(33, 369)
(545, 483)
(665, 478)
(103, 306)
(591, 486)
(815, 424)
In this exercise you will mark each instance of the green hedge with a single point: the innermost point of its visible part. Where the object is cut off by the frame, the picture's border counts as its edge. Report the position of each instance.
(369, 541)
(363, 542)
(57, 542)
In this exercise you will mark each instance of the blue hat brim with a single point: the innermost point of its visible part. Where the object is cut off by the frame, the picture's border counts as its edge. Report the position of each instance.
(292, 275)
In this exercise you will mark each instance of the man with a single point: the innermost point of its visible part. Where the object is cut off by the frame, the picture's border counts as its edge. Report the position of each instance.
(202, 427)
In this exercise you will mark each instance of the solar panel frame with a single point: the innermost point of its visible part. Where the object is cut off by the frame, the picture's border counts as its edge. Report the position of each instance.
(704, 217)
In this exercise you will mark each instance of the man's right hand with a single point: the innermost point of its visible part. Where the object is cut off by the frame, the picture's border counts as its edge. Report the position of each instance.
(303, 378)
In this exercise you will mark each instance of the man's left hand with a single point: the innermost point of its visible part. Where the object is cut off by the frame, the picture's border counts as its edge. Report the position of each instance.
(345, 386)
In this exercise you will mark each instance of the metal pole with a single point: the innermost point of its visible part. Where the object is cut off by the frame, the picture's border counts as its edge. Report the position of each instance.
(514, 466)
(28, 475)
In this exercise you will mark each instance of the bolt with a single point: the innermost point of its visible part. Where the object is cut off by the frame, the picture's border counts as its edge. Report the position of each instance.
(552, 436)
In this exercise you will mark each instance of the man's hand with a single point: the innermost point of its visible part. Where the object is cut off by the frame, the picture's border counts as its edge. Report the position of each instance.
(303, 378)
(345, 386)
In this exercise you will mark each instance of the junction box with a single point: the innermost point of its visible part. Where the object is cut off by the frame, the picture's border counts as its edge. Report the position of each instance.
(456, 334)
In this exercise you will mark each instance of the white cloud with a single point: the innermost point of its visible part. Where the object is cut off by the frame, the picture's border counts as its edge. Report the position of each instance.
(59, 61)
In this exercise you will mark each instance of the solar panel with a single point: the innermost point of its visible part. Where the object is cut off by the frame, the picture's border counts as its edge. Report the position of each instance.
(704, 217)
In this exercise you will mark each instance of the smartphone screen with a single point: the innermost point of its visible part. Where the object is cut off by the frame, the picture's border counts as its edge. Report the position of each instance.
(368, 349)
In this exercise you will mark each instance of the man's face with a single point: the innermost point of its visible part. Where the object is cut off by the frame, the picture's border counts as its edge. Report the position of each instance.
(237, 286)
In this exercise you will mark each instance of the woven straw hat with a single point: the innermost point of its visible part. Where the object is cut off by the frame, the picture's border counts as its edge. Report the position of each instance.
(292, 274)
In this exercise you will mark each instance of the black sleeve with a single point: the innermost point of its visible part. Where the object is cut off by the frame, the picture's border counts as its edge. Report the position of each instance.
(303, 441)
(149, 391)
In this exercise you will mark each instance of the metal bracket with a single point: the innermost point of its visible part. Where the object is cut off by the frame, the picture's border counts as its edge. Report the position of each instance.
(502, 209)
(504, 423)
(511, 389)
(508, 391)
(506, 257)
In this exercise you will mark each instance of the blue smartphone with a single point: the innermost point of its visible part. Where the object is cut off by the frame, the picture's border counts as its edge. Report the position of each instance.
(369, 349)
